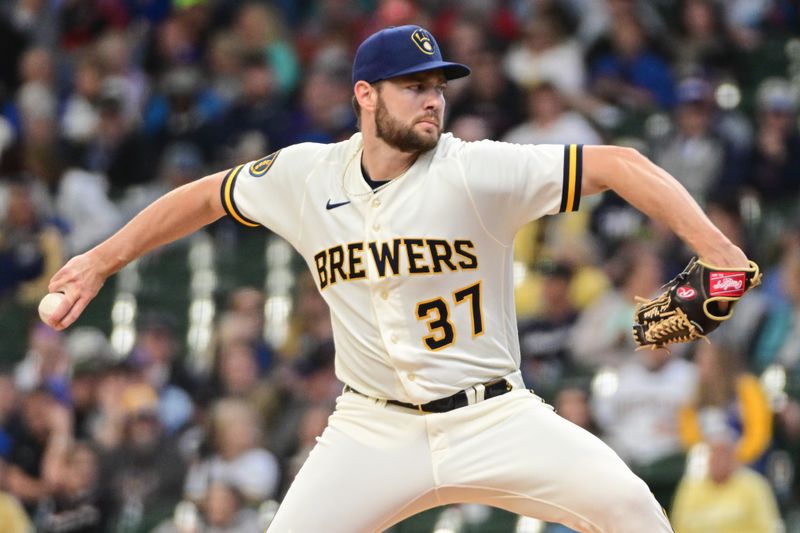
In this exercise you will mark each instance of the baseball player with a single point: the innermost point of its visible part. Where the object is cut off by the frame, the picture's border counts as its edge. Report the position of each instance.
(408, 232)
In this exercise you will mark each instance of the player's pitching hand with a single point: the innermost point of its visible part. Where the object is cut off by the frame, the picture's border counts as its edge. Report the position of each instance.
(80, 281)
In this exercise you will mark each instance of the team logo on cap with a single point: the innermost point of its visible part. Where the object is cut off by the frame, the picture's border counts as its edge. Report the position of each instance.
(423, 41)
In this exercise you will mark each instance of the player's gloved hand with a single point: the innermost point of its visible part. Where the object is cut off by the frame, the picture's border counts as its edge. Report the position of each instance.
(693, 304)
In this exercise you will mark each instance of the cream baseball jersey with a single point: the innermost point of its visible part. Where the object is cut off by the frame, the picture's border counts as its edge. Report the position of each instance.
(418, 272)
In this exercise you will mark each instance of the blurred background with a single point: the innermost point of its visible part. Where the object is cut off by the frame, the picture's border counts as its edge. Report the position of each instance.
(191, 390)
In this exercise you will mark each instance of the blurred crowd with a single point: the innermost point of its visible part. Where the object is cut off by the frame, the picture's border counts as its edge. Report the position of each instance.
(107, 104)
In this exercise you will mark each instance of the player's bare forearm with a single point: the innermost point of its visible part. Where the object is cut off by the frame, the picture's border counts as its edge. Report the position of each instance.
(174, 215)
(660, 196)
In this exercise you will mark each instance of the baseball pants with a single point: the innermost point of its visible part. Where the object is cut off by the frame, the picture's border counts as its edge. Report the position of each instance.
(376, 464)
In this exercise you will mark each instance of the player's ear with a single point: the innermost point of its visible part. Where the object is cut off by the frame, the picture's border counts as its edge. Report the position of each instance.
(366, 95)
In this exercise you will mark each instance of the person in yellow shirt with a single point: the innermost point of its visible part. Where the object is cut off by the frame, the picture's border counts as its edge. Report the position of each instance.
(13, 517)
(730, 498)
(723, 388)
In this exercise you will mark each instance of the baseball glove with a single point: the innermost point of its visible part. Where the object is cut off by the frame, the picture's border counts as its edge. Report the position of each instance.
(689, 308)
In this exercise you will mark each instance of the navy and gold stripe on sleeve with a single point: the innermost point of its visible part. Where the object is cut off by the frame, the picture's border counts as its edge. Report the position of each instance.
(226, 192)
(573, 170)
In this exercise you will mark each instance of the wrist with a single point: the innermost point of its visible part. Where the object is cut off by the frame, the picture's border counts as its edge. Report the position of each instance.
(105, 262)
(723, 254)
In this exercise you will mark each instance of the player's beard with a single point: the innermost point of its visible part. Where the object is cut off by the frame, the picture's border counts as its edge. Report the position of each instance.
(396, 134)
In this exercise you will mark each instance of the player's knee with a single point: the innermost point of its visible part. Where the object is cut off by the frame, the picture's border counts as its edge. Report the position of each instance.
(629, 501)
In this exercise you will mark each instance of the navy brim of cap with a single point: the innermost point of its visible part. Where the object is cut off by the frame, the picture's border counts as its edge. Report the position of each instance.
(452, 71)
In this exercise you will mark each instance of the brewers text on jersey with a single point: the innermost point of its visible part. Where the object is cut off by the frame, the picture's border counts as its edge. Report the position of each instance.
(412, 256)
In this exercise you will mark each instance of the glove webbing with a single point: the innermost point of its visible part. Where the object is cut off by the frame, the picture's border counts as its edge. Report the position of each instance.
(667, 329)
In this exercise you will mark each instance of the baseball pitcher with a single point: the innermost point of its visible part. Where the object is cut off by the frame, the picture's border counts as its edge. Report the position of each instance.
(408, 232)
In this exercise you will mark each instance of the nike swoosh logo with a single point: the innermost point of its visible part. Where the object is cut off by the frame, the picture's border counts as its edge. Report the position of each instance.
(329, 205)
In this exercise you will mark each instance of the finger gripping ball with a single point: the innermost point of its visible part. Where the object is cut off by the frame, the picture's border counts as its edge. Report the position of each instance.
(49, 304)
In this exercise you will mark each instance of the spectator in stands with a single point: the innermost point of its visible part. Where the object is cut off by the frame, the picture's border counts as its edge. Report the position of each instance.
(39, 436)
(237, 370)
(235, 457)
(116, 55)
(471, 128)
(726, 391)
(80, 118)
(306, 383)
(702, 43)
(261, 31)
(544, 339)
(91, 356)
(259, 108)
(9, 398)
(602, 334)
(489, 95)
(639, 419)
(141, 476)
(310, 326)
(75, 505)
(183, 111)
(573, 403)
(225, 67)
(693, 152)
(82, 23)
(155, 357)
(46, 363)
(779, 340)
(246, 311)
(548, 53)
(172, 45)
(787, 432)
(222, 511)
(12, 514)
(37, 107)
(728, 498)
(325, 111)
(29, 248)
(85, 228)
(237, 375)
(632, 74)
(118, 150)
(772, 169)
(104, 423)
(549, 121)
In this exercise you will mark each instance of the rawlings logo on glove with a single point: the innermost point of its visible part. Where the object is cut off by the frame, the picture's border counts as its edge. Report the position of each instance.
(690, 306)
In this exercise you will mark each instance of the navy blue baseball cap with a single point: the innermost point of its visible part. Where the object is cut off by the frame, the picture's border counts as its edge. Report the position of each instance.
(401, 50)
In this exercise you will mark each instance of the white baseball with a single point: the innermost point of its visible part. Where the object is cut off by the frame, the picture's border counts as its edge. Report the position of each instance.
(49, 304)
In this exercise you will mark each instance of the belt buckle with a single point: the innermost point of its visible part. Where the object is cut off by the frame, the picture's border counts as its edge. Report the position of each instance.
(422, 411)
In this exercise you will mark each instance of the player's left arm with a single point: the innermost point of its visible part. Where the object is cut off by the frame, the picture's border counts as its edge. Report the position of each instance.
(656, 193)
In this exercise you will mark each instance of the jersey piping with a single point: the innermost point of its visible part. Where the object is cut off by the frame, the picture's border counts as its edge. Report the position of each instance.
(226, 191)
(573, 173)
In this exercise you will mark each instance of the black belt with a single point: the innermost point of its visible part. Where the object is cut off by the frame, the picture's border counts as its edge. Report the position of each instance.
(459, 399)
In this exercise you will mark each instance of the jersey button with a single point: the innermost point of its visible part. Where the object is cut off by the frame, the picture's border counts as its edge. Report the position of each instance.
(376, 203)
(412, 376)
(393, 338)
(376, 226)
(384, 295)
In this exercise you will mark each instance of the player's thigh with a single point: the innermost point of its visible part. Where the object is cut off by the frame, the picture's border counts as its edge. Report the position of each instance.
(541, 465)
(369, 463)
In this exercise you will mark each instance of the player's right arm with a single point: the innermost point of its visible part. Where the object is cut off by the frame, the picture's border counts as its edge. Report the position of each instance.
(174, 215)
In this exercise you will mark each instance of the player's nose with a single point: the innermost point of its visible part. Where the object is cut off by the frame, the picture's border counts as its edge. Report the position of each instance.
(434, 101)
